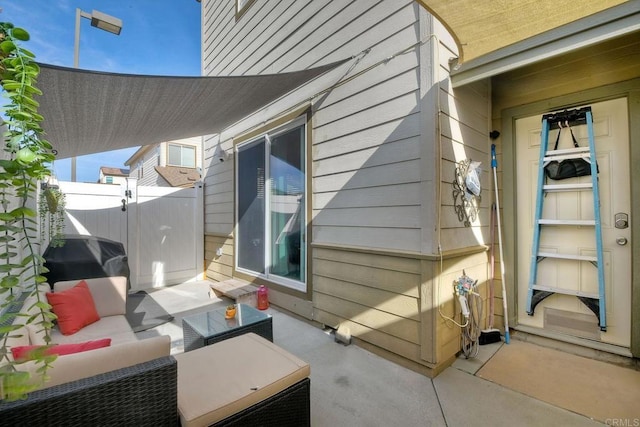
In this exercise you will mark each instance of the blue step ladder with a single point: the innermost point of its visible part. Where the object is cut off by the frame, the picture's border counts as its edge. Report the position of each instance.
(538, 292)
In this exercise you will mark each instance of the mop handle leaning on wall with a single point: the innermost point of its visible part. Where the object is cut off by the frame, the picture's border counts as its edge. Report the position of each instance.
(494, 166)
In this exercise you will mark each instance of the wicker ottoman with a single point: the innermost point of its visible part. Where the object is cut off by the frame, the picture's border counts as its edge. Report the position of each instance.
(246, 380)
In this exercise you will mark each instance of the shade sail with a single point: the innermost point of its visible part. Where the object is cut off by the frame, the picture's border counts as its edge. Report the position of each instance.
(484, 26)
(89, 112)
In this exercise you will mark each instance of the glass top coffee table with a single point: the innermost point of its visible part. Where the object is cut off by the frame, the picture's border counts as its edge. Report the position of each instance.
(208, 328)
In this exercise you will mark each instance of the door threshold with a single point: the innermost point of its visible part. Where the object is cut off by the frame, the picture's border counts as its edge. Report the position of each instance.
(577, 345)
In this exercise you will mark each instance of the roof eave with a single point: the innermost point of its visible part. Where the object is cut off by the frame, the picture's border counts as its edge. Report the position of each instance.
(611, 23)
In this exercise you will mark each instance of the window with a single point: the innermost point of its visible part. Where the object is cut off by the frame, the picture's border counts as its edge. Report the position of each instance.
(182, 155)
(109, 180)
(271, 206)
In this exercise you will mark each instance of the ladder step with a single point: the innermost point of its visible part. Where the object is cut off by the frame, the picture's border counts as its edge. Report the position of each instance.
(585, 156)
(566, 291)
(568, 256)
(573, 151)
(566, 222)
(567, 187)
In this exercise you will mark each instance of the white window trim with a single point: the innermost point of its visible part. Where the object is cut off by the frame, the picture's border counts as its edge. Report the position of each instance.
(182, 146)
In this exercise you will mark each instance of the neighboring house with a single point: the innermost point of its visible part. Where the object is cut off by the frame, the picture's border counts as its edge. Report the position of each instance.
(340, 198)
(168, 164)
(110, 175)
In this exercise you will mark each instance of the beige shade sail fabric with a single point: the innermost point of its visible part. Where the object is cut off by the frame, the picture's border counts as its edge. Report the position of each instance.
(480, 27)
(89, 112)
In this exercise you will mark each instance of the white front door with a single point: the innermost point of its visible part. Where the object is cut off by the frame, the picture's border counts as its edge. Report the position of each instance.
(565, 314)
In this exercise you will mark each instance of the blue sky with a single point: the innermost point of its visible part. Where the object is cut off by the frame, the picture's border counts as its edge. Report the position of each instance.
(159, 37)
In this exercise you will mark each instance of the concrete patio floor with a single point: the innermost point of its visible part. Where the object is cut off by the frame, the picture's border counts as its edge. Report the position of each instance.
(354, 387)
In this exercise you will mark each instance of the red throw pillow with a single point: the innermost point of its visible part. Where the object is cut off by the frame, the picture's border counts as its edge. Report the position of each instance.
(74, 307)
(26, 352)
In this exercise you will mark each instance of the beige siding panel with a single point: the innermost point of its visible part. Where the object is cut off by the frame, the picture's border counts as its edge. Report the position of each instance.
(282, 24)
(394, 109)
(448, 334)
(455, 151)
(382, 238)
(219, 188)
(218, 208)
(450, 219)
(386, 216)
(219, 218)
(220, 17)
(388, 342)
(218, 228)
(213, 197)
(393, 325)
(459, 238)
(377, 23)
(218, 267)
(393, 152)
(394, 130)
(374, 95)
(389, 195)
(393, 281)
(368, 259)
(305, 34)
(397, 173)
(378, 75)
(468, 107)
(257, 22)
(462, 132)
(376, 299)
(219, 174)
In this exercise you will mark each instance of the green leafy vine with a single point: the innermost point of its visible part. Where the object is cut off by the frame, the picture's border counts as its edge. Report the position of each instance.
(22, 165)
(52, 209)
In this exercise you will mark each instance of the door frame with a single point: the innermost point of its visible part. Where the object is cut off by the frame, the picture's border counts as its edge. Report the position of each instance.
(629, 89)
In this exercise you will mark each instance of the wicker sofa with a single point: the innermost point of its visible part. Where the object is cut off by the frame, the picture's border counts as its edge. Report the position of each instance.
(245, 380)
(144, 394)
(130, 381)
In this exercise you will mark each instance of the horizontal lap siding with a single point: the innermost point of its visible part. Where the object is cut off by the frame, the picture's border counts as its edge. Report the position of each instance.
(375, 295)
(366, 149)
(218, 268)
(448, 334)
(464, 134)
(365, 132)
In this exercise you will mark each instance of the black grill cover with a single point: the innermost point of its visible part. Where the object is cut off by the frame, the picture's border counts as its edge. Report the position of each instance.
(86, 257)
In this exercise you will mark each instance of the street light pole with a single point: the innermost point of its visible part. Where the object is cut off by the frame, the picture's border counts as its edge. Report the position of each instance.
(99, 20)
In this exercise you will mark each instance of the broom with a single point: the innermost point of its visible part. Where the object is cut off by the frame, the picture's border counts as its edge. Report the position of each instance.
(491, 335)
(494, 166)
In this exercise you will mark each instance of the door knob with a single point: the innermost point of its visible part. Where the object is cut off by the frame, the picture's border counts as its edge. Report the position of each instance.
(621, 241)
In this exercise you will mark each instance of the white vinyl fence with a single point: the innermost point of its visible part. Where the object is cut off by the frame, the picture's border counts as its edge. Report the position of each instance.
(161, 228)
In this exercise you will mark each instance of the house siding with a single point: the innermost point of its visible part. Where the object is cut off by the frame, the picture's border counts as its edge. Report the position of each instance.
(362, 129)
(149, 176)
(374, 161)
(156, 155)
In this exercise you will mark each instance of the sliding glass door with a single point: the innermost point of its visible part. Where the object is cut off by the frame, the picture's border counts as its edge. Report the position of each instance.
(271, 197)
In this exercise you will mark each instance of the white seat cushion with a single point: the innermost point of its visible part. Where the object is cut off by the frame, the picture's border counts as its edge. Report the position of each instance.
(115, 327)
(76, 366)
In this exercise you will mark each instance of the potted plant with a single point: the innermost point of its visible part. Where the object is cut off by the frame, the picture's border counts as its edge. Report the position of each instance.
(23, 164)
